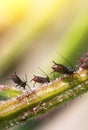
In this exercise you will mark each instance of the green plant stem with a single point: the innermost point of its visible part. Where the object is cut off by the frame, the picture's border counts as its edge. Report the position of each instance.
(31, 104)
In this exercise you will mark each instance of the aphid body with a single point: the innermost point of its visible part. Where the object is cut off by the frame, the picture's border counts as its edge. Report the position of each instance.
(18, 81)
(63, 69)
(39, 79)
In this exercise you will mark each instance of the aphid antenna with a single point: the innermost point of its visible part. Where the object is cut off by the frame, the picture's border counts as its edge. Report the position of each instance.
(66, 60)
(32, 79)
(43, 71)
(26, 78)
(54, 62)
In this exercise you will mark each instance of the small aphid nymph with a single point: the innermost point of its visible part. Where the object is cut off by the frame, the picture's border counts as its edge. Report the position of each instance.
(39, 79)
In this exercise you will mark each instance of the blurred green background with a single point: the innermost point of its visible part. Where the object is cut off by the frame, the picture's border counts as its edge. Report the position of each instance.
(32, 32)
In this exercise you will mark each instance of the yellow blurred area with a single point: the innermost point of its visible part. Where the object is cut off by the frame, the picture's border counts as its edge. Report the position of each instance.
(11, 11)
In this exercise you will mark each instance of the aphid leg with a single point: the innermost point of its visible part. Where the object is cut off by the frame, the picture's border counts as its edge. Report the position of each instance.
(29, 87)
(53, 72)
(78, 74)
(54, 75)
(34, 84)
(70, 78)
(16, 85)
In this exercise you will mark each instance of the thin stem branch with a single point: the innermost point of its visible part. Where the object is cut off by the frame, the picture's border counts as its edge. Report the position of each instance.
(31, 104)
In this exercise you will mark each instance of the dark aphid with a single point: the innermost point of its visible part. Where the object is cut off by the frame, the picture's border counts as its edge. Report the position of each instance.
(84, 61)
(63, 69)
(68, 70)
(39, 79)
(18, 81)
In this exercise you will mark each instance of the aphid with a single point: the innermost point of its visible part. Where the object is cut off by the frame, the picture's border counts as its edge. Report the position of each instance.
(18, 81)
(39, 79)
(84, 61)
(62, 68)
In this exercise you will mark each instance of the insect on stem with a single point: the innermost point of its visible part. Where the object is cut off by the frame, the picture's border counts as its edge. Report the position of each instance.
(19, 82)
